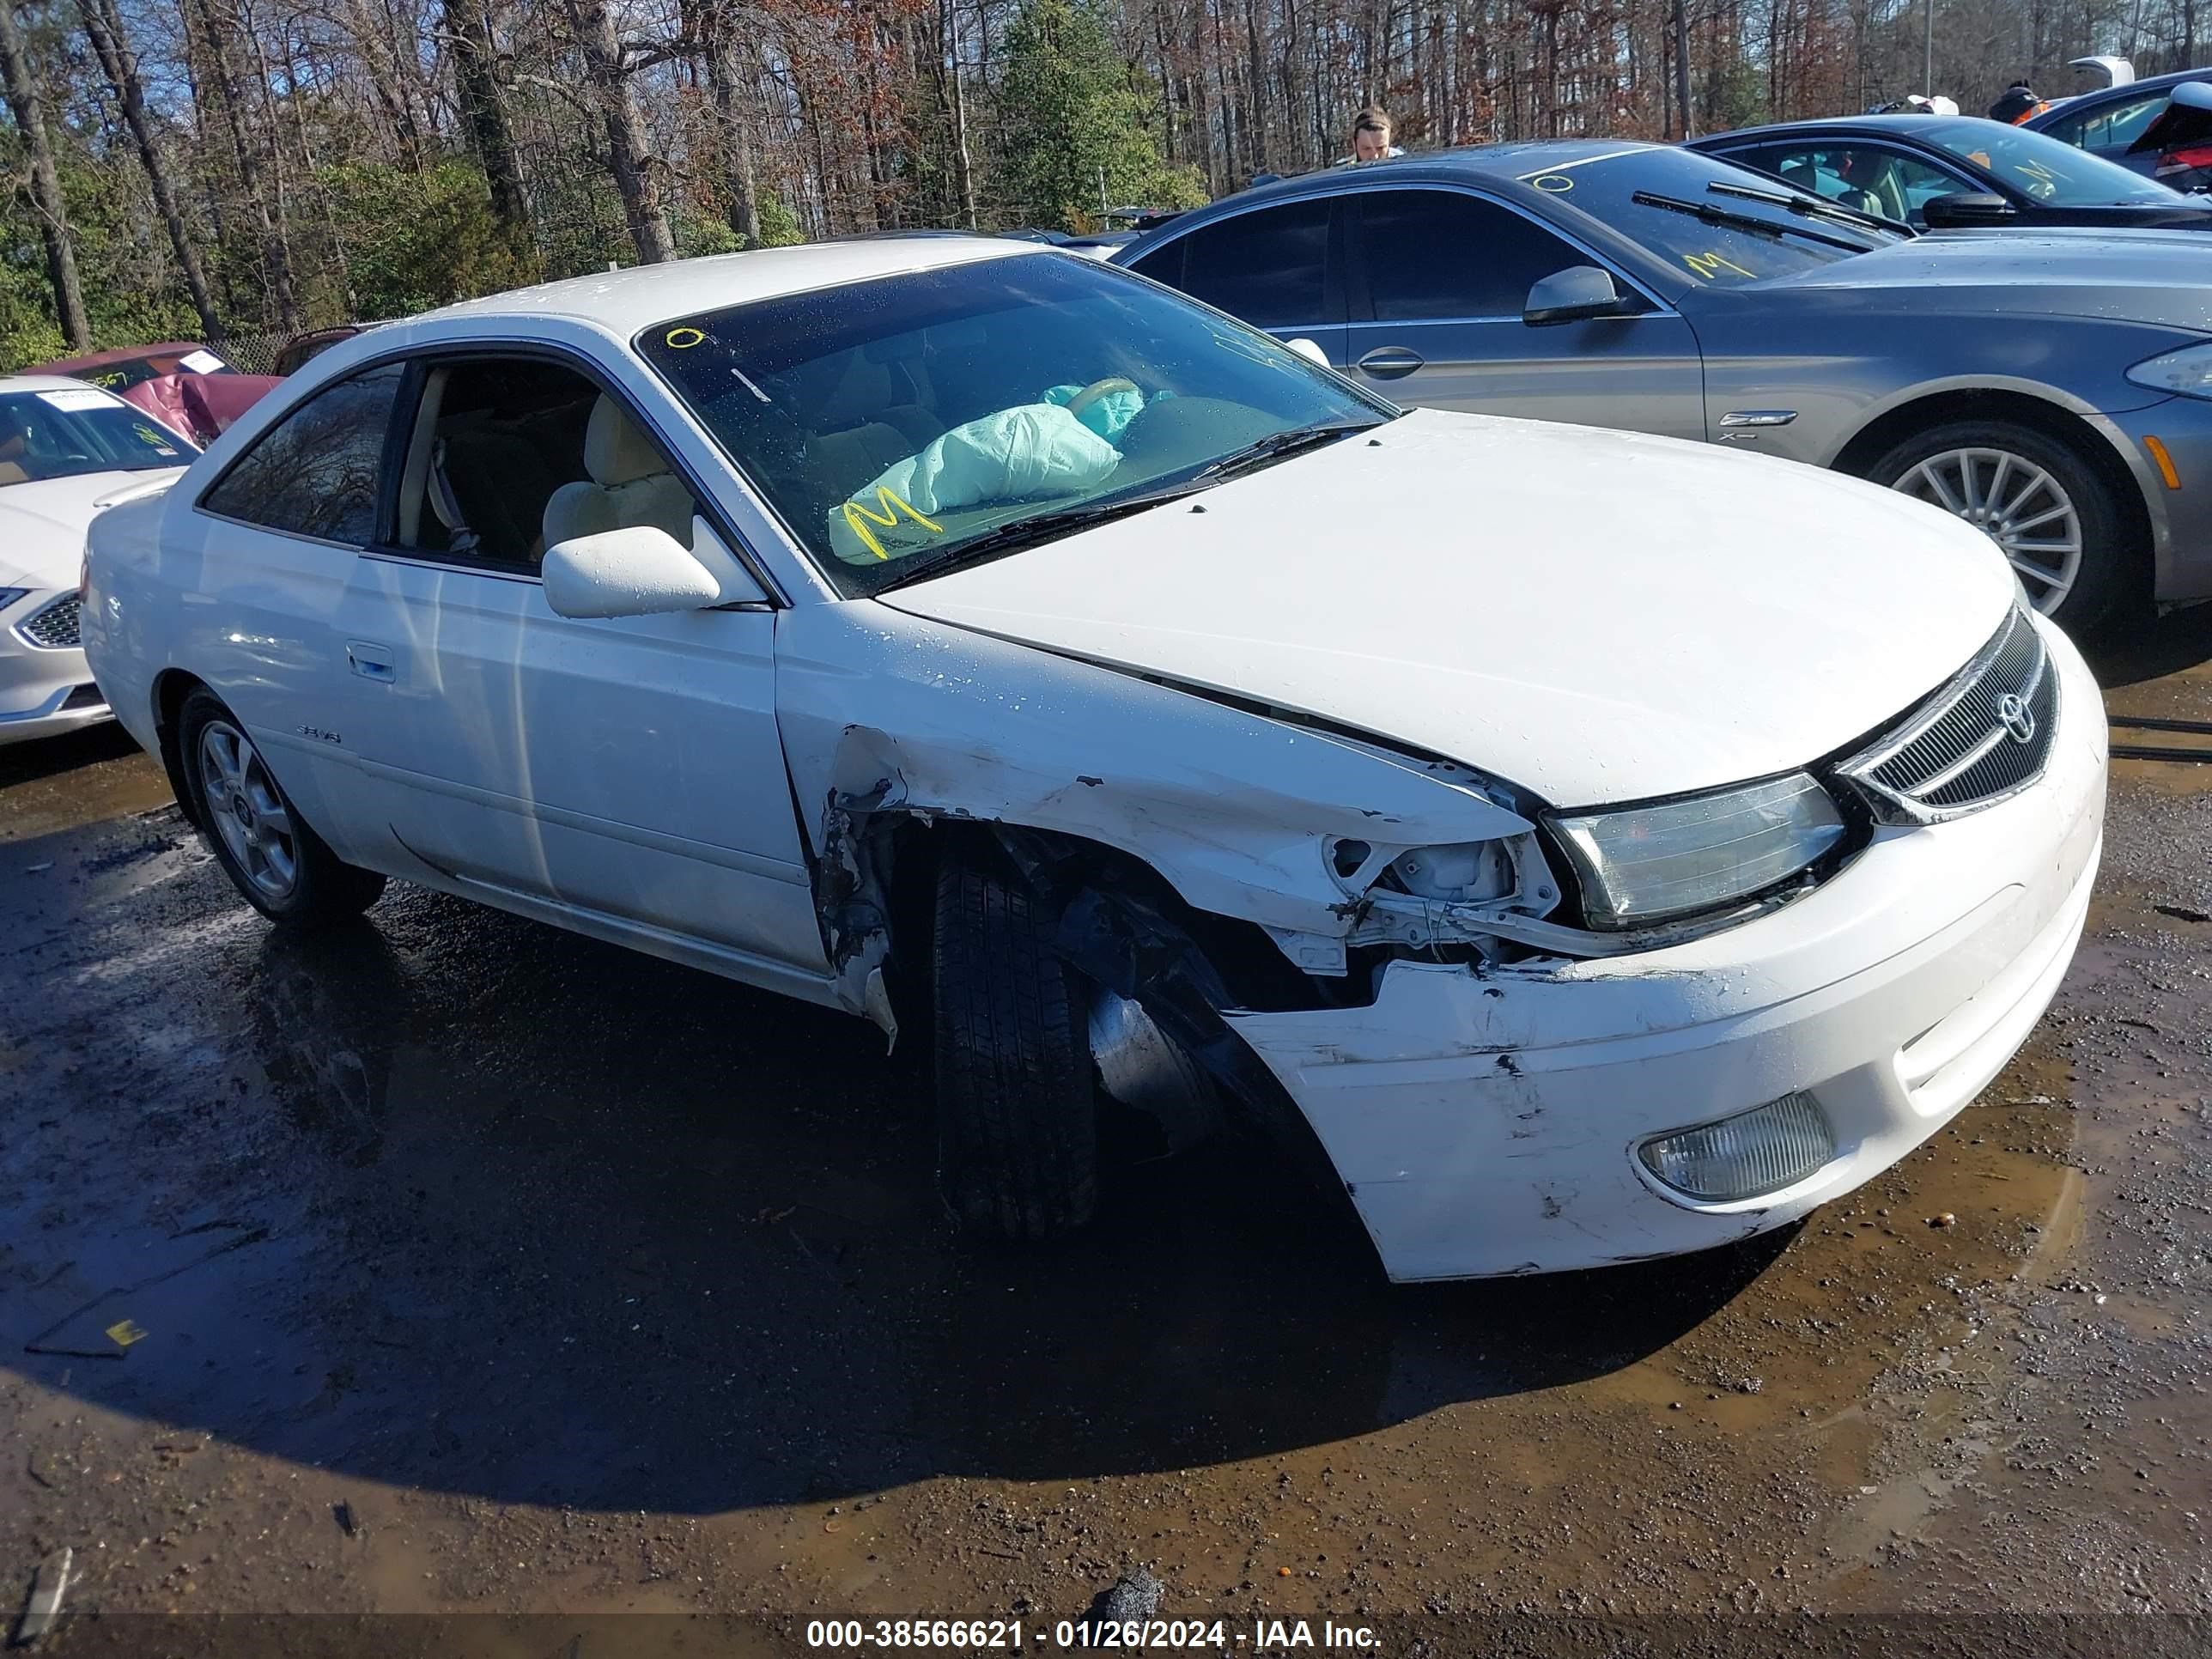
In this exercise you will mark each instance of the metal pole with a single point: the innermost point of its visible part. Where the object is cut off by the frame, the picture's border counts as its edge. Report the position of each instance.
(1927, 52)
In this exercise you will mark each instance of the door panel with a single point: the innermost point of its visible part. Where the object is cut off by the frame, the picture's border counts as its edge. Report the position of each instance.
(1442, 277)
(630, 766)
(275, 540)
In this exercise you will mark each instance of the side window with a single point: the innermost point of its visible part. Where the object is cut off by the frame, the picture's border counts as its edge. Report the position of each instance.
(2109, 126)
(1867, 176)
(1267, 267)
(1800, 166)
(314, 473)
(1436, 253)
(508, 455)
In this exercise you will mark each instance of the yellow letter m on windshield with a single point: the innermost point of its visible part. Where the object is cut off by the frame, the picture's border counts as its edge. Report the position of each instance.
(889, 506)
(1709, 265)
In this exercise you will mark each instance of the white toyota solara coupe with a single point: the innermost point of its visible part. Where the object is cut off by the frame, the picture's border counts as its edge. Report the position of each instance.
(67, 451)
(1611, 846)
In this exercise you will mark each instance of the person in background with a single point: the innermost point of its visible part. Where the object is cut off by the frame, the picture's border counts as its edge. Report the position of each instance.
(2018, 102)
(1370, 136)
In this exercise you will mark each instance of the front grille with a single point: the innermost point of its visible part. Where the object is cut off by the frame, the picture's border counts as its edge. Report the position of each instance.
(1980, 738)
(54, 627)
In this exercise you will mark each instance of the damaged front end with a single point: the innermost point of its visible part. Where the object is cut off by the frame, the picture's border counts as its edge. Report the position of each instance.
(1197, 857)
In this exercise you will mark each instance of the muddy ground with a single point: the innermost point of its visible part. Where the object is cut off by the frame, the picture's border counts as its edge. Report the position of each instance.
(455, 1263)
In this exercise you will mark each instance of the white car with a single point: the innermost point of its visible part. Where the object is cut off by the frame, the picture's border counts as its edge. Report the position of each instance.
(1611, 847)
(67, 450)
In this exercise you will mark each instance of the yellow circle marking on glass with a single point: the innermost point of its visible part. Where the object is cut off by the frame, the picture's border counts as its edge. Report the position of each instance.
(1557, 183)
(683, 339)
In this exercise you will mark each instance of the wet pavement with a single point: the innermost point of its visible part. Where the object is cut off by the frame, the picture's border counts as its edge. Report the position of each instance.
(453, 1262)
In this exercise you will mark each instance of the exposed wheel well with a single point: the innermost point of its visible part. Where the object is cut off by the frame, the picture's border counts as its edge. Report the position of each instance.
(170, 687)
(1884, 433)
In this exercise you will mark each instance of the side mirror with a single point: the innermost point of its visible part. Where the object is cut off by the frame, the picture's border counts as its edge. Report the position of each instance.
(1574, 295)
(1966, 209)
(642, 570)
(1307, 349)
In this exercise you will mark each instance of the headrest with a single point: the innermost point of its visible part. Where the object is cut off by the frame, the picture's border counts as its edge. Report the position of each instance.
(615, 451)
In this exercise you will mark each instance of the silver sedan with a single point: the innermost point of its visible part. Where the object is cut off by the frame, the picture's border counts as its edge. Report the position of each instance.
(2053, 388)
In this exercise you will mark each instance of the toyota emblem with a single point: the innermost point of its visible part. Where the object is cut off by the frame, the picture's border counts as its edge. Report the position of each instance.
(2017, 718)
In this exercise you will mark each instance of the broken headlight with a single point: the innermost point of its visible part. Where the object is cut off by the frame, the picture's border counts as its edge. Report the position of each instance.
(1639, 865)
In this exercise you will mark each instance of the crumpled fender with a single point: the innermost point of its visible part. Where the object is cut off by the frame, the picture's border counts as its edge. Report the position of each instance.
(880, 710)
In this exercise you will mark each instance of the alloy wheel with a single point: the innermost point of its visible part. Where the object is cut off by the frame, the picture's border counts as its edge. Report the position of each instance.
(2018, 505)
(249, 813)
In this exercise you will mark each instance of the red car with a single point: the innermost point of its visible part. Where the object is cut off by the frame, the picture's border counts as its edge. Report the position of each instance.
(188, 388)
(129, 366)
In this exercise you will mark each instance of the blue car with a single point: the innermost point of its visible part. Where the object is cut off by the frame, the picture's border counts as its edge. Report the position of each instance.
(1939, 172)
(2051, 387)
(2123, 125)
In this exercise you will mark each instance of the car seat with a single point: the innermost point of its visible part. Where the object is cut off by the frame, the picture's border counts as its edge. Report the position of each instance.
(630, 484)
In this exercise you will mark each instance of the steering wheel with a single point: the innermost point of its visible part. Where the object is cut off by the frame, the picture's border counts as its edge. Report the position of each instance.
(1098, 389)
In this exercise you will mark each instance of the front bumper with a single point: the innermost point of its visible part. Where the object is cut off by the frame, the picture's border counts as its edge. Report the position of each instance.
(44, 690)
(1487, 1123)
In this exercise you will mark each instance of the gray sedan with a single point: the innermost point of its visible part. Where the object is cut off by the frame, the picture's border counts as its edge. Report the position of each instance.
(2054, 388)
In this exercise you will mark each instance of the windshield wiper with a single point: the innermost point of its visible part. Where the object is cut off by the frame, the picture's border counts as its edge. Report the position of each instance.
(1813, 206)
(1038, 527)
(1276, 445)
(1712, 215)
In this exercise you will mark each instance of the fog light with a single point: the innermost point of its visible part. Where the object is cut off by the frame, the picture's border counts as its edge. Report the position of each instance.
(1761, 1151)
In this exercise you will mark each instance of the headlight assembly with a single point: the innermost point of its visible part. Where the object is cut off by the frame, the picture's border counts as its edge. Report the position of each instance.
(1640, 864)
(2188, 372)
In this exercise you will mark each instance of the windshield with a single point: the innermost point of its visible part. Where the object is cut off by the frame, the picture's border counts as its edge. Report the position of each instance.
(136, 371)
(2043, 168)
(1776, 242)
(62, 434)
(917, 414)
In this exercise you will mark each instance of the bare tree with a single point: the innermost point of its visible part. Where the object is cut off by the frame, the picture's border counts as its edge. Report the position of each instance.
(30, 112)
(630, 153)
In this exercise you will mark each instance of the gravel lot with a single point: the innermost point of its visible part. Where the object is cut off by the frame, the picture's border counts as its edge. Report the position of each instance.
(480, 1267)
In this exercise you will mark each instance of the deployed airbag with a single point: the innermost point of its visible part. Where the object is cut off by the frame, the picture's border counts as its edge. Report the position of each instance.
(1032, 452)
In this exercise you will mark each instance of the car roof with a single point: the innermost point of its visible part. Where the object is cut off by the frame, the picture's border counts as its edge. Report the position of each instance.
(42, 383)
(120, 355)
(637, 296)
(1904, 122)
(1473, 160)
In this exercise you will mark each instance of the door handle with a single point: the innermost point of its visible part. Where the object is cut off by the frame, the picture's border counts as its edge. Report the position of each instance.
(371, 661)
(1391, 363)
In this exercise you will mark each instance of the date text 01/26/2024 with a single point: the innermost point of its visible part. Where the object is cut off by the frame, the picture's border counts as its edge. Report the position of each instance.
(1010, 1635)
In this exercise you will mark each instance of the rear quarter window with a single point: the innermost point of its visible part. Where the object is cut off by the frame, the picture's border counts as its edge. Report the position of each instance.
(315, 472)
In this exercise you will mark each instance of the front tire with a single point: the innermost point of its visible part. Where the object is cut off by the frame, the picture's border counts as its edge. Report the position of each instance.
(2052, 516)
(1018, 1132)
(279, 865)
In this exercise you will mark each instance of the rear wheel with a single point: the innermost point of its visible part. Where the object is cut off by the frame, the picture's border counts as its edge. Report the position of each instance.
(282, 867)
(1017, 1116)
(2051, 515)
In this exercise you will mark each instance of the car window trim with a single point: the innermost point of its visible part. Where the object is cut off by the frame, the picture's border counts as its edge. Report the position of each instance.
(1335, 293)
(200, 501)
(418, 358)
(1363, 291)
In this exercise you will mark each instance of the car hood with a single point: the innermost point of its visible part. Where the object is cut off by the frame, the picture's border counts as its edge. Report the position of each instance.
(42, 524)
(2119, 275)
(1596, 616)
